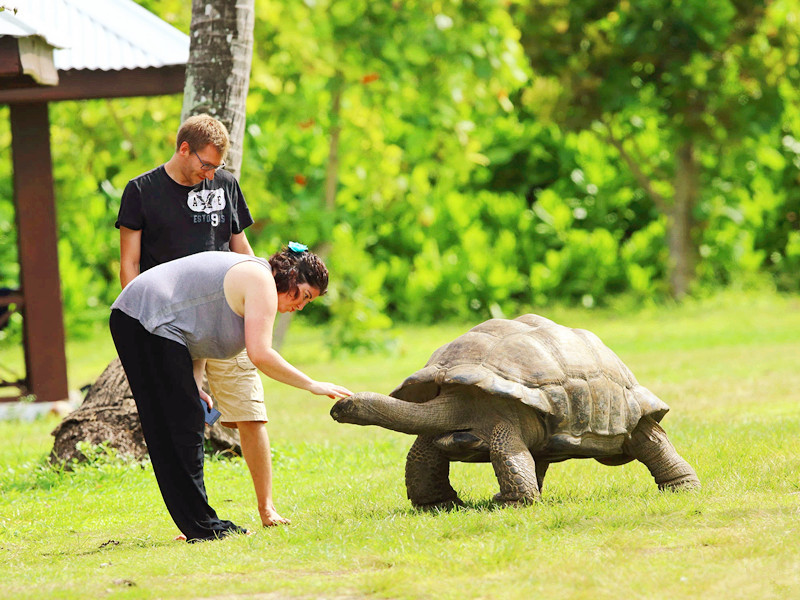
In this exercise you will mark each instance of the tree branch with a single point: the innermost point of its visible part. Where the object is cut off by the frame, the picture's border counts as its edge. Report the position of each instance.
(638, 174)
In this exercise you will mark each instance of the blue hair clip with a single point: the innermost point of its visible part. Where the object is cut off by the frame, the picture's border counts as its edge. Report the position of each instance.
(297, 247)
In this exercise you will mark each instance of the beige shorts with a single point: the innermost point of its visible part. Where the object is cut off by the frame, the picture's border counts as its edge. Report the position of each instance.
(237, 389)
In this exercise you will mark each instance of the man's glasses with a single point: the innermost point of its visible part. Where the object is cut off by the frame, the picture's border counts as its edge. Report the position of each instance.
(204, 166)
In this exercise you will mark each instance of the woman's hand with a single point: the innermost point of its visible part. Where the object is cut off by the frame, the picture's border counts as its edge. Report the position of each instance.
(331, 390)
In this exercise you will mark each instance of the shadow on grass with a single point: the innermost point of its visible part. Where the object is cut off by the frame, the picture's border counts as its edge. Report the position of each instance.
(558, 500)
(111, 545)
(487, 505)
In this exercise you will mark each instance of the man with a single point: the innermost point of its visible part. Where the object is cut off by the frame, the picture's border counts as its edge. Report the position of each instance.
(185, 206)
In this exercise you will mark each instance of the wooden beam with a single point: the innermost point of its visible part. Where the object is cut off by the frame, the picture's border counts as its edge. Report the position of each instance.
(83, 85)
(10, 65)
(43, 325)
(14, 298)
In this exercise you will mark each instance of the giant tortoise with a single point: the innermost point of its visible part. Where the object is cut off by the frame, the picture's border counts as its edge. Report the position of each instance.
(520, 394)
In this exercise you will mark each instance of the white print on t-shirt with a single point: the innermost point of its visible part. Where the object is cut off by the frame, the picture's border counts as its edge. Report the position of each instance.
(207, 201)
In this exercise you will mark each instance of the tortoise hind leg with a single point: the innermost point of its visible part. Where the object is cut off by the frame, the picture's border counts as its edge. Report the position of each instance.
(428, 476)
(514, 466)
(650, 445)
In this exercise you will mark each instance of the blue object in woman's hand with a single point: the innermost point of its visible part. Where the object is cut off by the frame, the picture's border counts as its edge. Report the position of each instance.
(211, 414)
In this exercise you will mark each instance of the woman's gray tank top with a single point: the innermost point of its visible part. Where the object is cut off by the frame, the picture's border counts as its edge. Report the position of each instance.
(184, 300)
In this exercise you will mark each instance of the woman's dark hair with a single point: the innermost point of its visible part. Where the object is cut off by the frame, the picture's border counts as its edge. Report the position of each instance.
(291, 268)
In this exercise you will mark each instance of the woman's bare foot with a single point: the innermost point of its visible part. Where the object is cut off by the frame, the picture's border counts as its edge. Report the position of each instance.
(270, 517)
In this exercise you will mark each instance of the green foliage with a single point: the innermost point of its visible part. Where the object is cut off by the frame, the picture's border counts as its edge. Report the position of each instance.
(474, 169)
(655, 76)
(96, 455)
(9, 265)
(411, 120)
(112, 141)
(356, 299)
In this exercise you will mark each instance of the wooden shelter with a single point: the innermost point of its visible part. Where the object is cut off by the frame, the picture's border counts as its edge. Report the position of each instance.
(50, 51)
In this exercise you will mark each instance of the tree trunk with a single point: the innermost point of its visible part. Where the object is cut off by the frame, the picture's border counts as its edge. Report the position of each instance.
(108, 415)
(332, 168)
(218, 71)
(681, 222)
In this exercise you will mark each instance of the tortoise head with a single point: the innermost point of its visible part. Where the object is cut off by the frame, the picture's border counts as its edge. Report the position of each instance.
(359, 409)
(370, 408)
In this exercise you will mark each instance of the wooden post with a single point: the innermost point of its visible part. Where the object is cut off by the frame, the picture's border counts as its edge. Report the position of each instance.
(43, 325)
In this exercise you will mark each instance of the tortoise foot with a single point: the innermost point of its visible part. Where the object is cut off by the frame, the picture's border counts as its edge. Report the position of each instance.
(444, 505)
(517, 501)
(687, 483)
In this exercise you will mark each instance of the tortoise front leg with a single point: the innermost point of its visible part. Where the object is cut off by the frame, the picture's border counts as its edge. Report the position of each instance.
(513, 465)
(650, 445)
(428, 476)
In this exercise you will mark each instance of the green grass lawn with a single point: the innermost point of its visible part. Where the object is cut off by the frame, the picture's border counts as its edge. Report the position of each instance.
(727, 366)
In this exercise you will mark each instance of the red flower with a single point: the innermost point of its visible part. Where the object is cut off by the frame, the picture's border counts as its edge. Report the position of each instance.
(300, 179)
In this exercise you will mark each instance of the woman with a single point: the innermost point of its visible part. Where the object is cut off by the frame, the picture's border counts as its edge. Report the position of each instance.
(169, 319)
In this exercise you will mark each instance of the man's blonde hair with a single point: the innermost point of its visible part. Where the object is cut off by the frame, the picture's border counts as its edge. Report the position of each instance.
(201, 130)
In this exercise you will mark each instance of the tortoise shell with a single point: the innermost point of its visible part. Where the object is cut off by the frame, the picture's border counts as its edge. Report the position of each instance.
(580, 388)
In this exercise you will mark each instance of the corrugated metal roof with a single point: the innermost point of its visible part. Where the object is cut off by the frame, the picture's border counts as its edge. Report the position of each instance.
(12, 25)
(98, 34)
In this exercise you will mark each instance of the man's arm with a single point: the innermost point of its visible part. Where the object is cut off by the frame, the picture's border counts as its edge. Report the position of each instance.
(240, 244)
(130, 252)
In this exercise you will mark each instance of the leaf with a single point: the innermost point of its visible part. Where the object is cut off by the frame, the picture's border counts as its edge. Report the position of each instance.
(416, 54)
(770, 158)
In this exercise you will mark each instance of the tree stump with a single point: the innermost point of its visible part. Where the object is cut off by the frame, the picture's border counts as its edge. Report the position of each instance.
(108, 415)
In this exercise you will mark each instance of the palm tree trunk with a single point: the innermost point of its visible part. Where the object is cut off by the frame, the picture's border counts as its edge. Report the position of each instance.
(218, 71)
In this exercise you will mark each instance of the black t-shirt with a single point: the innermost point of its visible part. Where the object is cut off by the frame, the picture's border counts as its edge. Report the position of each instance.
(178, 220)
